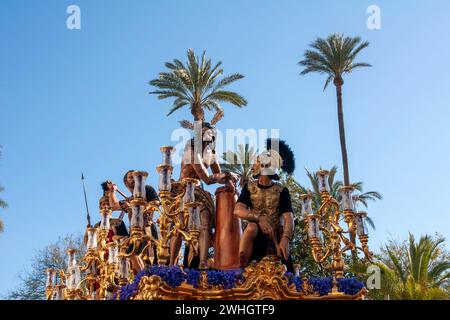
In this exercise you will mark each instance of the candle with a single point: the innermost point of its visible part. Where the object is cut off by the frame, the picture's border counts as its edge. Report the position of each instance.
(347, 200)
(71, 258)
(51, 277)
(113, 252)
(189, 195)
(167, 155)
(306, 201)
(139, 184)
(124, 267)
(73, 278)
(92, 238)
(137, 215)
(361, 226)
(322, 176)
(104, 219)
(165, 173)
(313, 227)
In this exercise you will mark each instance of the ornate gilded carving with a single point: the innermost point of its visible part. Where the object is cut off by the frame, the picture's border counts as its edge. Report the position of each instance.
(263, 281)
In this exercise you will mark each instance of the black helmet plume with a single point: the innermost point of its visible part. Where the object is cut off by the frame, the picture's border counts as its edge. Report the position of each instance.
(286, 154)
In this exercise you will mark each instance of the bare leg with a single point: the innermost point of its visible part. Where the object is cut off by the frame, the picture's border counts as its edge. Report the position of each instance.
(246, 245)
(136, 263)
(204, 237)
(175, 245)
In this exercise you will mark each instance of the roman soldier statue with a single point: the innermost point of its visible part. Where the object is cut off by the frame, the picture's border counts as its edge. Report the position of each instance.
(199, 156)
(266, 205)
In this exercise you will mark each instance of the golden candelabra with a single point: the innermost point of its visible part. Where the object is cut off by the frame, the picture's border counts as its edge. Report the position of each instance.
(107, 263)
(326, 235)
(111, 261)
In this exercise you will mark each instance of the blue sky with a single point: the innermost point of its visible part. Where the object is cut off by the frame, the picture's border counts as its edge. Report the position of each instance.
(74, 100)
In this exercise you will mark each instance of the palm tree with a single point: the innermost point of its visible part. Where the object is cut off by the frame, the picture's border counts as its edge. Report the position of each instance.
(335, 56)
(333, 186)
(415, 271)
(197, 85)
(3, 204)
(240, 162)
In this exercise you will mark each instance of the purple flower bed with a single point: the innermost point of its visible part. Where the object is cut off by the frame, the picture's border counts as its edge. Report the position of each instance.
(350, 286)
(294, 279)
(174, 276)
(322, 285)
(227, 279)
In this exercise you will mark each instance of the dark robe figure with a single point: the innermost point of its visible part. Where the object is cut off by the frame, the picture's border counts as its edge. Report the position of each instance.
(266, 205)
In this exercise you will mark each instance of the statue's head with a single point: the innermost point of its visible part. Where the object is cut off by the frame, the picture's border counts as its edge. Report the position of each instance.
(128, 180)
(208, 133)
(268, 163)
(277, 157)
(104, 200)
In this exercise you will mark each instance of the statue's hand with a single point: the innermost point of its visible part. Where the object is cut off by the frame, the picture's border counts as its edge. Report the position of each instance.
(225, 178)
(265, 226)
(233, 178)
(112, 186)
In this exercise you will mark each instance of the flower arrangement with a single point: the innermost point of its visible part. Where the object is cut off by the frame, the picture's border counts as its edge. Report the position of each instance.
(294, 279)
(174, 276)
(227, 279)
(322, 285)
(349, 286)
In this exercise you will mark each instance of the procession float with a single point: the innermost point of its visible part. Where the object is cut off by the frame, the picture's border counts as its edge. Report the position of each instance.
(182, 242)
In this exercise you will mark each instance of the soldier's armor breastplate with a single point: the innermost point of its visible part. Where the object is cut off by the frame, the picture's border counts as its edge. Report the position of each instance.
(265, 201)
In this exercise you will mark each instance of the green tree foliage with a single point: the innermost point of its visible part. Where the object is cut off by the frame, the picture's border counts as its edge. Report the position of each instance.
(334, 57)
(196, 84)
(32, 280)
(415, 270)
(240, 162)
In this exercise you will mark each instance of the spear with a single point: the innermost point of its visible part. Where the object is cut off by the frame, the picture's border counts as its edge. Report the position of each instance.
(85, 201)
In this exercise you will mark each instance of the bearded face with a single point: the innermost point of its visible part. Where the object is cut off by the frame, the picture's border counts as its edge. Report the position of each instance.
(208, 141)
(129, 181)
(209, 135)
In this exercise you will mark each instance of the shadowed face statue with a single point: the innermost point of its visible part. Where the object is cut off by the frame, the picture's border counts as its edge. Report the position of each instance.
(267, 163)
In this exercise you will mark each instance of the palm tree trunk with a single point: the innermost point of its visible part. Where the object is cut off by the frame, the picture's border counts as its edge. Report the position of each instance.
(197, 112)
(342, 134)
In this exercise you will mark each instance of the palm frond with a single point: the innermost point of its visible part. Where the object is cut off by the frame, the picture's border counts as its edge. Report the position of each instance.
(196, 84)
(3, 204)
(333, 56)
(370, 223)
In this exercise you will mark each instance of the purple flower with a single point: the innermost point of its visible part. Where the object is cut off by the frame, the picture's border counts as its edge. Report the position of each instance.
(193, 277)
(226, 278)
(294, 279)
(350, 286)
(322, 285)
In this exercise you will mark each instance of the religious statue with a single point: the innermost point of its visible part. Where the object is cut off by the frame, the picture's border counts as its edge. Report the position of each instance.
(266, 205)
(197, 159)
